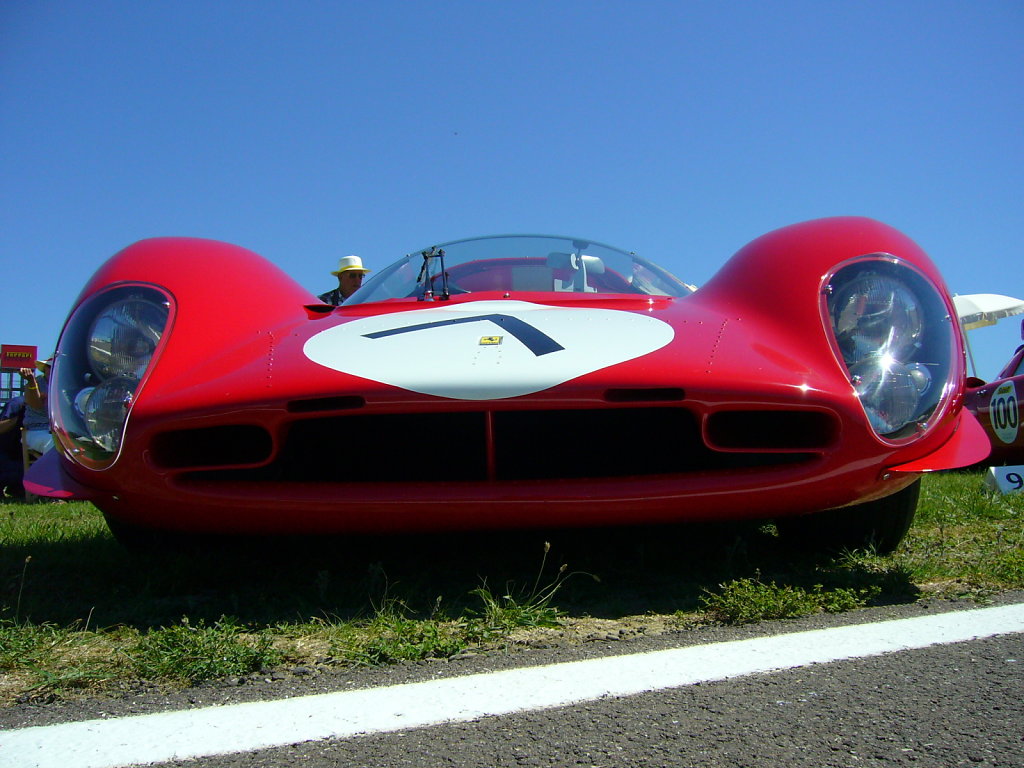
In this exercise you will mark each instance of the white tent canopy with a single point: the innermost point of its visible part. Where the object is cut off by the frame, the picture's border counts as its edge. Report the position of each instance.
(976, 310)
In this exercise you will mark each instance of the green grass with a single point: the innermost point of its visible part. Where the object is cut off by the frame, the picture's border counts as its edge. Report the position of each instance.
(78, 613)
(744, 601)
(966, 539)
(187, 653)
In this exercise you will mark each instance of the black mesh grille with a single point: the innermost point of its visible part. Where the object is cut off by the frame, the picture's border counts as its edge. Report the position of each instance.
(526, 445)
(771, 430)
(211, 446)
(595, 443)
(420, 447)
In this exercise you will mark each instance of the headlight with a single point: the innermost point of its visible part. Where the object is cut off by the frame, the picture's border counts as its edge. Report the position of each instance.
(895, 338)
(123, 336)
(876, 315)
(105, 411)
(105, 351)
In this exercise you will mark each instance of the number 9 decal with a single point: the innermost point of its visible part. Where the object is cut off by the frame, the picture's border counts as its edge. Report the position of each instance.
(1005, 479)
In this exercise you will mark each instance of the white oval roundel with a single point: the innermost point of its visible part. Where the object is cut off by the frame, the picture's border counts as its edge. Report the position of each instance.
(488, 349)
(1004, 413)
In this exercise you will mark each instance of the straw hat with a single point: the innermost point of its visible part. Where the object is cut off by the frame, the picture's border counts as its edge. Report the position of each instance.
(349, 264)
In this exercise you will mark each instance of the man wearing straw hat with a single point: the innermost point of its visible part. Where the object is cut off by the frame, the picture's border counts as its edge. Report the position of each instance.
(350, 273)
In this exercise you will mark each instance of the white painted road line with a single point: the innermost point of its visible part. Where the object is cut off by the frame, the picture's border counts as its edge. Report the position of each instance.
(160, 737)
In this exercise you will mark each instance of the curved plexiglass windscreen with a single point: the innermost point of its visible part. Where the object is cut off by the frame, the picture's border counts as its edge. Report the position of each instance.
(518, 263)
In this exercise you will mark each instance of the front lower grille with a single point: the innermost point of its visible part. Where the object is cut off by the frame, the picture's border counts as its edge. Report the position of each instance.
(505, 446)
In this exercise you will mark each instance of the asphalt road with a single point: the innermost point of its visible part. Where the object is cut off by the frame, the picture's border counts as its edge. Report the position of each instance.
(948, 705)
(958, 705)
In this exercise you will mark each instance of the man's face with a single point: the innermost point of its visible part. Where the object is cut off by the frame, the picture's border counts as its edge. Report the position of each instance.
(349, 282)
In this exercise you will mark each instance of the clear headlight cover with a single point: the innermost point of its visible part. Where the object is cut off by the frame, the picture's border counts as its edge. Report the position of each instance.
(105, 411)
(894, 334)
(123, 337)
(105, 351)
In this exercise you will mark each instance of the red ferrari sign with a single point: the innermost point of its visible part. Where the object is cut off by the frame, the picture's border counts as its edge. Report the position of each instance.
(18, 356)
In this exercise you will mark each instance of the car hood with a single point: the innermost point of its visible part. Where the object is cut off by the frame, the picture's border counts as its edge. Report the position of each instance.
(502, 349)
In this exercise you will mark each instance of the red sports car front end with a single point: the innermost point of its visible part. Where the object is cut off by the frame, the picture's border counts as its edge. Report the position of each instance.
(524, 382)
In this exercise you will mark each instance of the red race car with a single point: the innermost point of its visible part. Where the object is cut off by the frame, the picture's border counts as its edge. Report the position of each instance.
(998, 404)
(517, 381)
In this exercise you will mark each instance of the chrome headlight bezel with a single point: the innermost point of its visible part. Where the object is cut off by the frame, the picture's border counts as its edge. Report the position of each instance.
(891, 329)
(104, 356)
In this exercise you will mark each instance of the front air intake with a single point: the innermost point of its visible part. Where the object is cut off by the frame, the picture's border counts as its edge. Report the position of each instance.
(512, 446)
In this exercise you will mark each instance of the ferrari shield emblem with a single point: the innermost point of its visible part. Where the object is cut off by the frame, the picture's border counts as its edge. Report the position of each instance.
(489, 340)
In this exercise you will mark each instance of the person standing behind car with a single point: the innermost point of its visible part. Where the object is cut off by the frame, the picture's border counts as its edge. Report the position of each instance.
(11, 467)
(37, 420)
(350, 273)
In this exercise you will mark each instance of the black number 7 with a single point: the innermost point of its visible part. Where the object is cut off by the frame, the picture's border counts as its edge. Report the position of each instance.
(532, 338)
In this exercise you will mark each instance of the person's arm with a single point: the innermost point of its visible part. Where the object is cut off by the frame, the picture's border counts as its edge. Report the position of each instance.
(35, 397)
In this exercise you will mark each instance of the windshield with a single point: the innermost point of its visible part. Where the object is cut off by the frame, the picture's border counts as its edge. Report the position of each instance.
(518, 263)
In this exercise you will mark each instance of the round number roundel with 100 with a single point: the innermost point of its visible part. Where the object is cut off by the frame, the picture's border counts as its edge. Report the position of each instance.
(486, 350)
(1003, 411)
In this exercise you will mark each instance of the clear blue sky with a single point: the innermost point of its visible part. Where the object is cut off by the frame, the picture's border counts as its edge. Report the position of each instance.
(681, 130)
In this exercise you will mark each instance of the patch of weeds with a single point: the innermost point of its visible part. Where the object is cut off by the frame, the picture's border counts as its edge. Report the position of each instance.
(887, 577)
(1007, 565)
(961, 589)
(22, 644)
(508, 611)
(64, 678)
(21, 587)
(189, 653)
(745, 601)
(523, 609)
(55, 658)
(393, 634)
(841, 599)
(389, 639)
